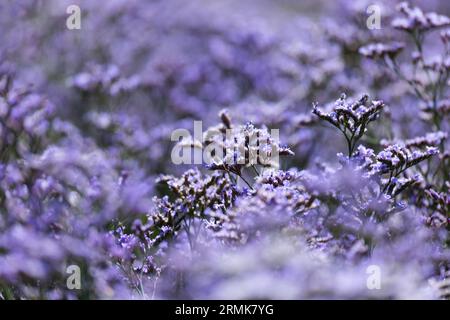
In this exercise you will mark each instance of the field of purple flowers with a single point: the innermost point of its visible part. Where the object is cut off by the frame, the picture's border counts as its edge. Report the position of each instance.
(92, 205)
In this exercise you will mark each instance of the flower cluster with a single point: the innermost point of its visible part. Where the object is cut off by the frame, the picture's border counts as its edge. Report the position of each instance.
(439, 202)
(351, 119)
(25, 118)
(236, 147)
(194, 196)
(50, 176)
(380, 50)
(416, 19)
(104, 79)
(279, 200)
(427, 74)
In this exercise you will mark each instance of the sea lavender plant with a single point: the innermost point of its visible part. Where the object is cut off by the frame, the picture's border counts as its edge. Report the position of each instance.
(426, 73)
(351, 119)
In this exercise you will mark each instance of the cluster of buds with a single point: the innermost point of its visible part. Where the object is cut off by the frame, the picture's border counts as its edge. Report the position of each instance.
(193, 195)
(439, 203)
(281, 191)
(430, 90)
(392, 162)
(432, 139)
(105, 79)
(351, 119)
(25, 118)
(442, 107)
(381, 50)
(395, 186)
(397, 158)
(278, 178)
(416, 19)
(438, 64)
(235, 147)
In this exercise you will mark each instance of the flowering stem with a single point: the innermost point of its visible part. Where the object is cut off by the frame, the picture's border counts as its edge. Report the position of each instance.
(243, 179)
